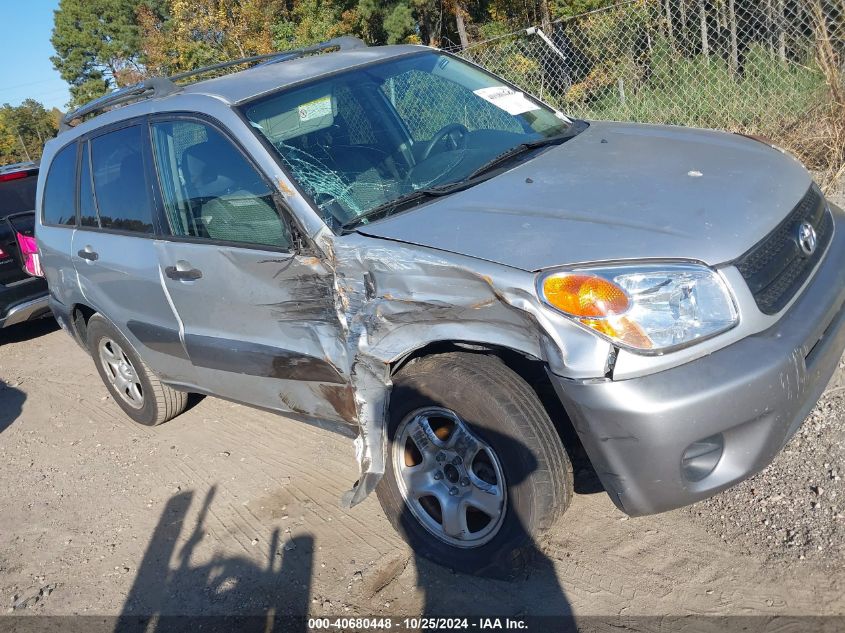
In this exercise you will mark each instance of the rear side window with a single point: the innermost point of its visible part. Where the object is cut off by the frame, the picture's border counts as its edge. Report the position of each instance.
(60, 189)
(120, 183)
(17, 193)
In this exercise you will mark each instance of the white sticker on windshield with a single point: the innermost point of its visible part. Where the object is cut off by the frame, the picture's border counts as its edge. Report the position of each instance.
(315, 109)
(506, 99)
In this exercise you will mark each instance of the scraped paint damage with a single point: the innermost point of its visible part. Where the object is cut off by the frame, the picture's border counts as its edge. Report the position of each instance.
(393, 299)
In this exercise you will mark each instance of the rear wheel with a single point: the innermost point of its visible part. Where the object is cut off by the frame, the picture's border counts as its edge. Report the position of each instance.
(136, 390)
(475, 469)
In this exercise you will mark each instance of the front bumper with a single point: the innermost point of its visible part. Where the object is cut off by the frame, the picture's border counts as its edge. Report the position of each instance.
(755, 393)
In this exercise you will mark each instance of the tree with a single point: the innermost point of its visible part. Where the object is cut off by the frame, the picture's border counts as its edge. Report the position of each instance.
(97, 45)
(188, 34)
(311, 21)
(23, 131)
(570, 8)
(734, 57)
(457, 7)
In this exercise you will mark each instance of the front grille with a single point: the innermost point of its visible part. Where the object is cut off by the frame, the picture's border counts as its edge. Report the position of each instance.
(776, 267)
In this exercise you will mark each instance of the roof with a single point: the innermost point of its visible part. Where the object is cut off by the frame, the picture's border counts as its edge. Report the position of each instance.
(239, 86)
(264, 78)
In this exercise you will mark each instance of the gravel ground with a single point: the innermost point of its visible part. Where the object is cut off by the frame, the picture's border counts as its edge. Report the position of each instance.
(795, 508)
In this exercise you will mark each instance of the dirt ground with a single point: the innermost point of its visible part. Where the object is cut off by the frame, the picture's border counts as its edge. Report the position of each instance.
(230, 510)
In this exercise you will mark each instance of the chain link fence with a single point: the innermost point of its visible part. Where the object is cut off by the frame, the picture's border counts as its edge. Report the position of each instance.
(769, 67)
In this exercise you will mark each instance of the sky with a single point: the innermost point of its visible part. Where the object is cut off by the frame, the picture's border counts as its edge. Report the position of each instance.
(26, 71)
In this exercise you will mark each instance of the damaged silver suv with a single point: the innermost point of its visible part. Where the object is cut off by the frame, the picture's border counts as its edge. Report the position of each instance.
(467, 282)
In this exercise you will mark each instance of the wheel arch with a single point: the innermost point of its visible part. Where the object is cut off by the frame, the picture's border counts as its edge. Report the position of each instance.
(531, 369)
(80, 314)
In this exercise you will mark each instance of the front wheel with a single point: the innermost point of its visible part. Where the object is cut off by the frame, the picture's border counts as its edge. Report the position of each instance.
(475, 469)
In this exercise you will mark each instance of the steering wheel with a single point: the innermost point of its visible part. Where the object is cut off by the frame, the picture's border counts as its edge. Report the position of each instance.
(446, 132)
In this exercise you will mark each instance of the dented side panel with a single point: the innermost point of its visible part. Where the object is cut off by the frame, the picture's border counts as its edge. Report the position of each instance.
(260, 327)
(393, 298)
(316, 334)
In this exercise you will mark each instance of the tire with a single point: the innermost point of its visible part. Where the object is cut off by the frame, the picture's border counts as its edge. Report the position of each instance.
(158, 403)
(500, 410)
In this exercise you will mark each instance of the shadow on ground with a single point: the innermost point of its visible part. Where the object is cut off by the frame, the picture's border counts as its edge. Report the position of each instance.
(252, 597)
(11, 404)
(28, 331)
(236, 593)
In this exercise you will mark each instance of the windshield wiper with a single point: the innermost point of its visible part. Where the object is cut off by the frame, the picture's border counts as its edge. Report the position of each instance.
(403, 202)
(576, 128)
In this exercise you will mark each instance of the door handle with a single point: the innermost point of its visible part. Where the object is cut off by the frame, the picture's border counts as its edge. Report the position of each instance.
(192, 274)
(89, 254)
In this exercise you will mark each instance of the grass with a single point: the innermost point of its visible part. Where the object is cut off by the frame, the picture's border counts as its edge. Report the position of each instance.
(703, 92)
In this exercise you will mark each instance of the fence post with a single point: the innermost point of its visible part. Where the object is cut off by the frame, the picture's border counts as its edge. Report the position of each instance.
(734, 36)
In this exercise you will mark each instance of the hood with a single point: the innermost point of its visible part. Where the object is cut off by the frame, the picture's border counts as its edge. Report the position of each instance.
(614, 192)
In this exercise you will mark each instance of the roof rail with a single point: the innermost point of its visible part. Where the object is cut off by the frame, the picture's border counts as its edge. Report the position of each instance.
(344, 43)
(163, 86)
(152, 87)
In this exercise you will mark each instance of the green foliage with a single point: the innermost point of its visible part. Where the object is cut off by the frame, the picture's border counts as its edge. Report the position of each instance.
(399, 23)
(492, 29)
(310, 22)
(97, 45)
(24, 130)
(188, 34)
(570, 8)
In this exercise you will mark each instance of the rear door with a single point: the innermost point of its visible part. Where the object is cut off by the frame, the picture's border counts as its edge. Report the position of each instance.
(258, 317)
(58, 222)
(114, 248)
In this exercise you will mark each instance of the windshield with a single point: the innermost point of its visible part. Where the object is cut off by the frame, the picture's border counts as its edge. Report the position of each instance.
(358, 140)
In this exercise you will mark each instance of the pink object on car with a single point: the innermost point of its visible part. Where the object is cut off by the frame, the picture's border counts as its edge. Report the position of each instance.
(29, 252)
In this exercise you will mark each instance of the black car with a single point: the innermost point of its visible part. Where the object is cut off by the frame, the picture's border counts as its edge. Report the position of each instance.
(22, 297)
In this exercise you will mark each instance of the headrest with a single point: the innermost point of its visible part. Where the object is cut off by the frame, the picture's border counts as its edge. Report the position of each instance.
(196, 163)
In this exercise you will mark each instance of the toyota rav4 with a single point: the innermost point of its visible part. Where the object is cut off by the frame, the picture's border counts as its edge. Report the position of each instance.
(394, 242)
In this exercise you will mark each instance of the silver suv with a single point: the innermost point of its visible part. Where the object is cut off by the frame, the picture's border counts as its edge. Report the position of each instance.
(395, 243)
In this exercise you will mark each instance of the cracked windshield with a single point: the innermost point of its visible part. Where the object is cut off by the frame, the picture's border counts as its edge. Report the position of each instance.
(361, 142)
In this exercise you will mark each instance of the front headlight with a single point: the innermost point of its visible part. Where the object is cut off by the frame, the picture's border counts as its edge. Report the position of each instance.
(648, 307)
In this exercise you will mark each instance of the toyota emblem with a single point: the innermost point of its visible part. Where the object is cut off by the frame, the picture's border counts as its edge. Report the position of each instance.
(807, 239)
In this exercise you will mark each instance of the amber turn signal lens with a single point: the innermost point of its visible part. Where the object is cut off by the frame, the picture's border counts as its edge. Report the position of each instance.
(585, 295)
(621, 329)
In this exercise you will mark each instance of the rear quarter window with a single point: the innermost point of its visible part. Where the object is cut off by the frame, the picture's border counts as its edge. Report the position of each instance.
(60, 189)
